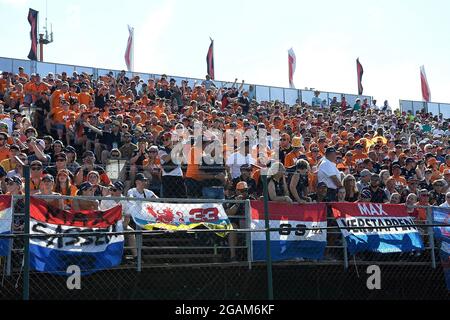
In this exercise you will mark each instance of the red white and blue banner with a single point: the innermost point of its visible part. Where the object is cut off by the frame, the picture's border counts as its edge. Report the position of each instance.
(179, 216)
(5, 224)
(285, 244)
(90, 253)
(401, 236)
(442, 234)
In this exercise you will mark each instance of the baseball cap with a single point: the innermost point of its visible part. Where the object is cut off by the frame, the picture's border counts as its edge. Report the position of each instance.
(85, 186)
(88, 154)
(40, 142)
(366, 194)
(70, 149)
(365, 173)
(119, 185)
(322, 184)
(330, 150)
(14, 179)
(48, 177)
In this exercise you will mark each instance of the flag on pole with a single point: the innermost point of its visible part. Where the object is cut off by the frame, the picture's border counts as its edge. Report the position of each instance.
(360, 72)
(210, 60)
(129, 52)
(426, 94)
(33, 20)
(292, 60)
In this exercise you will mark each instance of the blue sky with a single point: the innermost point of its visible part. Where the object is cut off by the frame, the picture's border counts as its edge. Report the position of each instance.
(391, 38)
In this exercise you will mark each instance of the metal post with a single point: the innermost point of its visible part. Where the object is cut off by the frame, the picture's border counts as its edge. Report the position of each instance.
(26, 251)
(344, 244)
(430, 220)
(11, 241)
(248, 236)
(267, 225)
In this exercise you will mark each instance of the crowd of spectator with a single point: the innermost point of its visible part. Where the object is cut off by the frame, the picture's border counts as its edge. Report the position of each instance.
(69, 128)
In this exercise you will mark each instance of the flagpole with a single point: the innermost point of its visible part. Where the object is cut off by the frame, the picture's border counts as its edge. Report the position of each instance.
(213, 58)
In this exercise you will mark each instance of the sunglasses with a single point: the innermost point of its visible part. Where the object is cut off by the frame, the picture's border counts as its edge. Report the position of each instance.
(36, 168)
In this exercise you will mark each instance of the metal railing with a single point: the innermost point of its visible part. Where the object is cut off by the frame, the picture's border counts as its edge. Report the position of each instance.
(260, 93)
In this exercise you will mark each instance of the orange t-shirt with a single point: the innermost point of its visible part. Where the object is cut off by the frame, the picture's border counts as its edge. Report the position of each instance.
(61, 117)
(291, 158)
(400, 181)
(84, 98)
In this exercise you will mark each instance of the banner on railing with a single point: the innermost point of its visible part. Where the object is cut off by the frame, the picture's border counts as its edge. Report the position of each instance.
(442, 216)
(180, 216)
(5, 224)
(90, 253)
(401, 236)
(286, 244)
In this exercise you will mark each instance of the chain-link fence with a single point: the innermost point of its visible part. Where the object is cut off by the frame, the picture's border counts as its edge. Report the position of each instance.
(161, 260)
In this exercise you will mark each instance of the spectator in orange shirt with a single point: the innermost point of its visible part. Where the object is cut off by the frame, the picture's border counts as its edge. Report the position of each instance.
(292, 157)
(396, 172)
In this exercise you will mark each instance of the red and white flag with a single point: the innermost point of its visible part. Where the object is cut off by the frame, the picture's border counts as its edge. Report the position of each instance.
(129, 54)
(292, 60)
(426, 94)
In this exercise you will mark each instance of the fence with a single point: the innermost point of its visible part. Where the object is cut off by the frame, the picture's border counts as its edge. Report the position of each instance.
(261, 93)
(196, 264)
(433, 107)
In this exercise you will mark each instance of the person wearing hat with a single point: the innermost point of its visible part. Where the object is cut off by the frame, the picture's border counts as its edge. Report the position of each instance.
(88, 166)
(245, 176)
(320, 196)
(139, 191)
(364, 180)
(365, 196)
(46, 189)
(330, 174)
(437, 195)
(377, 194)
(72, 164)
(237, 209)
(86, 189)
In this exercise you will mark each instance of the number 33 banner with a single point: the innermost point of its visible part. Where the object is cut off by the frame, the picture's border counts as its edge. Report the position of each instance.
(287, 244)
(179, 216)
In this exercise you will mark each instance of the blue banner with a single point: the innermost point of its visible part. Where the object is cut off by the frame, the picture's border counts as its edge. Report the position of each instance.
(442, 234)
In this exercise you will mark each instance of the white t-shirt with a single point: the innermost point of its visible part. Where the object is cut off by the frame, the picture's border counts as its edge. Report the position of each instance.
(236, 160)
(327, 169)
(134, 193)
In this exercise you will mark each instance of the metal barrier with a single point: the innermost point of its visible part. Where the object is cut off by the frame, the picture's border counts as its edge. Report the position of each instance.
(166, 250)
(260, 92)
